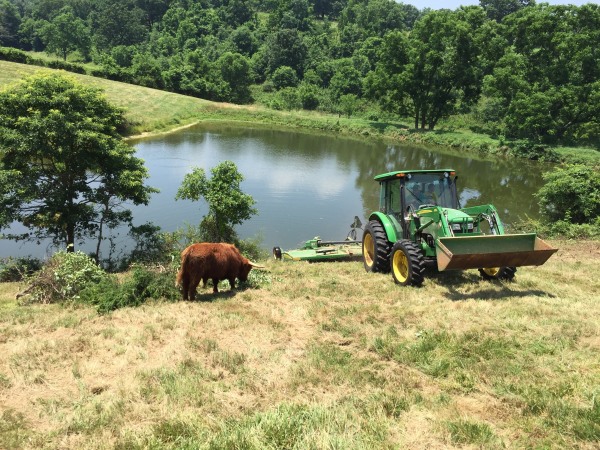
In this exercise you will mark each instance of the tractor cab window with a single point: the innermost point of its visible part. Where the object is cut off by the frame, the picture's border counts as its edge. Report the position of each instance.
(394, 203)
(430, 189)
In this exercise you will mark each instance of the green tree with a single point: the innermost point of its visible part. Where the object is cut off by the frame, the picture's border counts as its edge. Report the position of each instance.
(285, 48)
(292, 15)
(244, 41)
(227, 204)
(346, 80)
(309, 95)
(235, 72)
(65, 170)
(65, 34)
(434, 67)
(10, 21)
(284, 76)
(558, 95)
(498, 9)
(118, 22)
(348, 104)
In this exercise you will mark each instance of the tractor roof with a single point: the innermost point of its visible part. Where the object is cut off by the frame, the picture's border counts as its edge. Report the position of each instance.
(401, 173)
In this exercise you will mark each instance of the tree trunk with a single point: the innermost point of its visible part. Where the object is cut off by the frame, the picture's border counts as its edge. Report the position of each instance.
(100, 230)
(70, 238)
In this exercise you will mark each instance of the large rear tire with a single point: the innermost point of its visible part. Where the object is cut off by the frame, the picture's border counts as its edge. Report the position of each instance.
(376, 248)
(498, 273)
(407, 264)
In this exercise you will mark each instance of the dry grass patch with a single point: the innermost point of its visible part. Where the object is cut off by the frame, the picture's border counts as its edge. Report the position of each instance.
(324, 356)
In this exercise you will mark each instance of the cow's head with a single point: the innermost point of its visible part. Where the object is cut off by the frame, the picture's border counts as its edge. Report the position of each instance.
(245, 269)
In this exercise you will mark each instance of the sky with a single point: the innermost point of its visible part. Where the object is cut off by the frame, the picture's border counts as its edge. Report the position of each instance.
(453, 4)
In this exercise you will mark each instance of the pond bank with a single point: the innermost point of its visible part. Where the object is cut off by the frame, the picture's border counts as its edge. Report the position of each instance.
(151, 112)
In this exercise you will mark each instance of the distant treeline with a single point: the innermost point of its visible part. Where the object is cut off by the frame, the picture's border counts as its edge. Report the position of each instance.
(517, 69)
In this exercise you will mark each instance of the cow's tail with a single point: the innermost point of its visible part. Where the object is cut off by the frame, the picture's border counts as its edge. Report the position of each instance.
(182, 268)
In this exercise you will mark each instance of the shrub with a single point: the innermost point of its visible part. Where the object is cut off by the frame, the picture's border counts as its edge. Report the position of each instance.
(144, 283)
(63, 277)
(571, 194)
(70, 67)
(560, 229)
(14, 55)
(283, 77)
(309, 96)
(536, 152)
(287, 98)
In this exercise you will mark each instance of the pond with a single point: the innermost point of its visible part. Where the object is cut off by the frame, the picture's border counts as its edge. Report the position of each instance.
(307, 184)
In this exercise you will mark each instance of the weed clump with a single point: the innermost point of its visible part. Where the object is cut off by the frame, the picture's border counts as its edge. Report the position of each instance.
(63, 277)
(143, 284)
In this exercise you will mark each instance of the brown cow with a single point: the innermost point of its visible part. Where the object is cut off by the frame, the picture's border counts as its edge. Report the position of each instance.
(215, 261)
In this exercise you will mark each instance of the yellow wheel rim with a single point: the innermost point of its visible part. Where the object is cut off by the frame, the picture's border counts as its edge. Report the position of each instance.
(400, 266)
(369, 250)
(491, 271)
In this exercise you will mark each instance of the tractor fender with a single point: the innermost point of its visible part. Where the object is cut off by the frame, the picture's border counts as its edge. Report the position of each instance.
(388, 226)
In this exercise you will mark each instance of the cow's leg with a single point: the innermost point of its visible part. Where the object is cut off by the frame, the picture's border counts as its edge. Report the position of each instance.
(185, 281)
(193, 286)
(204, 282)
(232, 283)
(193, 292)
(185, 288)
(215, 285)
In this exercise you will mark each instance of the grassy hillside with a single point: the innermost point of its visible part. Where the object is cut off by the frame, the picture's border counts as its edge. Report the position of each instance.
(325, 356)
(151, 111)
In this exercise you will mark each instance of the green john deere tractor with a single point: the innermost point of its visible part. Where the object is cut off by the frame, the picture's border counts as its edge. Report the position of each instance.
(420, 223)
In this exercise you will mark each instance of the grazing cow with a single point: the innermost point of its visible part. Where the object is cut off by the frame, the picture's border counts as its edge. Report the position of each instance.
(215, 261)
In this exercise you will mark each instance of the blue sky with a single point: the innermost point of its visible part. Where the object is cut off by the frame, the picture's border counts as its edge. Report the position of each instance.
(453, 4)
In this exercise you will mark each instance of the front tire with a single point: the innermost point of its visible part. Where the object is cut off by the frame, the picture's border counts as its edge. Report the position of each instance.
(376, 248)
(498, 273)
(407, 264)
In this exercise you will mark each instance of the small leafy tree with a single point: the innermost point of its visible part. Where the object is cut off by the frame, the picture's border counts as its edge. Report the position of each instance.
(66, 33)
(227, 204)
(348, 104)
(284, 76)
(65, 171)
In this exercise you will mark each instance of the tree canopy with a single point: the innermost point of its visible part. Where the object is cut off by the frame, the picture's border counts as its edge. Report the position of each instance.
(65, 171)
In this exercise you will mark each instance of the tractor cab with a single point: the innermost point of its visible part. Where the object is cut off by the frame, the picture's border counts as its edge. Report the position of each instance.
(409, 196)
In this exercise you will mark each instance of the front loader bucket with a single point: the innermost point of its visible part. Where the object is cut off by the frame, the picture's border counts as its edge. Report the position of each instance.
(507, 250)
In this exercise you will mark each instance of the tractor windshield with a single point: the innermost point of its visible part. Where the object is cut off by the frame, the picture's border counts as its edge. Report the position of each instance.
(431, 189)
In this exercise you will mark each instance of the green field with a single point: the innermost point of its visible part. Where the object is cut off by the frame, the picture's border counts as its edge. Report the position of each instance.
(323, 356)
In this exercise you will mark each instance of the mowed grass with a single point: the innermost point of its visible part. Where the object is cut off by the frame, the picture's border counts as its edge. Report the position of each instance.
(324, 356)
(147, 110)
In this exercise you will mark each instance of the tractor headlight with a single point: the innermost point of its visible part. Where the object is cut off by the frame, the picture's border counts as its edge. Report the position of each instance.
(456, 227)
(470, 225)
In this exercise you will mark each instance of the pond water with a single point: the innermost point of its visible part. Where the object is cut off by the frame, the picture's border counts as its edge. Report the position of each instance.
(307, 184)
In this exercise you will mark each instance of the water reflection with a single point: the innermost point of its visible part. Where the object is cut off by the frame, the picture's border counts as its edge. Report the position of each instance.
(309, 184)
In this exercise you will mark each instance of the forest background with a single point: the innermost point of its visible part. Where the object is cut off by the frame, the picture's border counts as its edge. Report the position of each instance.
(512, 69)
